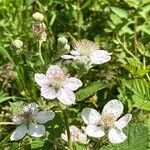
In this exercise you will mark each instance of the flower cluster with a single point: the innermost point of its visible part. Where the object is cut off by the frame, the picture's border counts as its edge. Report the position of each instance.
(55, 84)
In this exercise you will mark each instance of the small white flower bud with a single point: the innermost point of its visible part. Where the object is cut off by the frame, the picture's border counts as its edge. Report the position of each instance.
(67, 47)
(62, 41)
(17, 44)
(38, 16)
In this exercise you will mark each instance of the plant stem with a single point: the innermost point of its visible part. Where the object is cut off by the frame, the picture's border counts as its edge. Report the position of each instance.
(78, 21)
(126, 49)
(70, 146)
(7, 123)
(40, 53)
(144, 67)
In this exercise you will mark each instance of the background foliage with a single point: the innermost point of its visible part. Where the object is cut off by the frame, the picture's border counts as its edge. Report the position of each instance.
(121, 27)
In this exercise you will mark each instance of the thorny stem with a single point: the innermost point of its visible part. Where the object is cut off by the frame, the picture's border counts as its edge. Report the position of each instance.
(70, 146)
(40, 53)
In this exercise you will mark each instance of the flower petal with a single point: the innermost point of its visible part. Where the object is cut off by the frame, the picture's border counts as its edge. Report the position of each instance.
(44, 116)
(123, 121)
(114, 108)
(100, 57)
(73, 52)
(41, 79)
(116, 136)
(64, 136)
(66, 96)
(36, 130)
(19, 133)
(72, 83)
(48, 92)
(95, 131)
(67, 57)
(90, 116)
(16, 120)
(54, 70)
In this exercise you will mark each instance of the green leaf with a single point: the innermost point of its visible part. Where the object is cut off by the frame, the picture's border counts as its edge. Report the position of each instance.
(140, 93)
(90, 90)
(120, 12)
(137, 139)
(6, 54)
(4, 97)
(80, 147)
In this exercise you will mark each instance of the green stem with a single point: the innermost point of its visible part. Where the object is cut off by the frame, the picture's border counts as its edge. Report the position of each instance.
(78, 21)
(40, 53)
(126, 49)
(70, 146)
(144, 67)
(7, 123)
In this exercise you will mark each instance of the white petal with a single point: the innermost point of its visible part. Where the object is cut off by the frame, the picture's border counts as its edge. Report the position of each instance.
(41, 79)
(64, 136)
(67, 57)
(36, 130)
(100, 57)
(95, 131)
(31, 106)
(90, 116)
(19, 133)
(72, 83)
(16, 120)
(44, 116)
(48, 92)
(66, 96)
(116, 136)
(72, 52)
(123, 121)
(82, 138)
(54, 70)
(114, 108)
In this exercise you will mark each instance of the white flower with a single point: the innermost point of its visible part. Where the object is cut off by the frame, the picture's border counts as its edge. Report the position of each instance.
(56, 85)
(88, 52)
(75, 134)
(96, 123)
(30, 121)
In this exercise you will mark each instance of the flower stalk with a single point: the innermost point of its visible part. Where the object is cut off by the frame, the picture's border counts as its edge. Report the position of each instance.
(70, 145)
(40, 53)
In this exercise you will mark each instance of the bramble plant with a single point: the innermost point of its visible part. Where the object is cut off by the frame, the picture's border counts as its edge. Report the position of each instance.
(75, 75)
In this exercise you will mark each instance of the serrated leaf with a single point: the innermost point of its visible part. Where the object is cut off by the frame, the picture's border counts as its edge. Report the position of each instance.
(137, 139)
(120, 12)
(4, 52)
(90, 90)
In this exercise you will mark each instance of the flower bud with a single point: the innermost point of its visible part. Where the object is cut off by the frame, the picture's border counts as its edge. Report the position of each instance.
(62, 41)
(38, 16)
(17, 44)
(67, 47)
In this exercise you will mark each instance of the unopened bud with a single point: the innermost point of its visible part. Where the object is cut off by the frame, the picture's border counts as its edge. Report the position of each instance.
(17, 44)
(67, 47)
(38, 16)
(62, 41)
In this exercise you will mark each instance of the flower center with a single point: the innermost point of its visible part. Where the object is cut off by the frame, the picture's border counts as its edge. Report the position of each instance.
(85, 47)
(27, 116)
(57, 81)
(108, 120)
